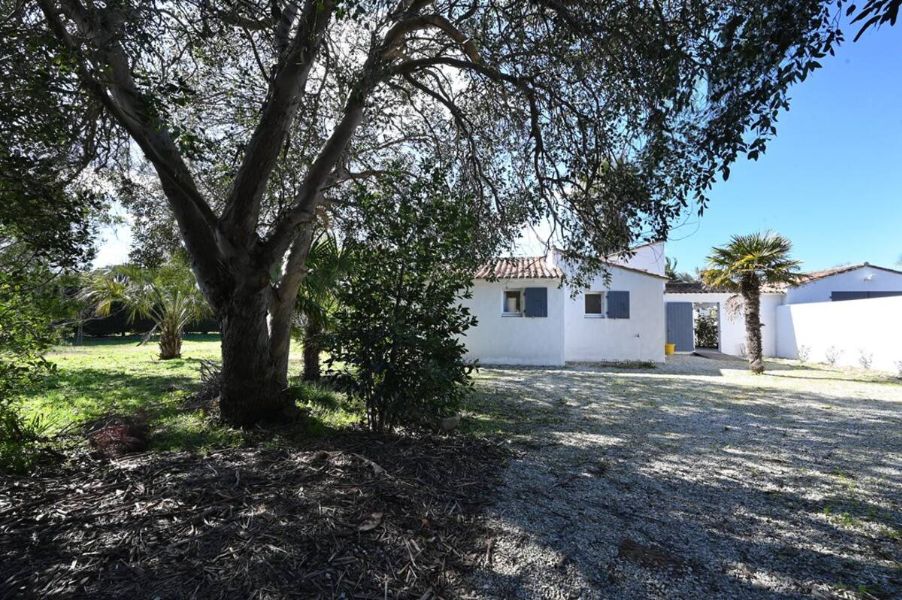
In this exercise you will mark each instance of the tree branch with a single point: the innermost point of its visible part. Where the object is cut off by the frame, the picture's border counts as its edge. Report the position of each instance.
(239, 219)
(319, 172)
(119, 94)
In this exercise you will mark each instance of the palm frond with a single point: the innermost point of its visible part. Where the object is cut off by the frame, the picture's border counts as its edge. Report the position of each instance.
(757, 257)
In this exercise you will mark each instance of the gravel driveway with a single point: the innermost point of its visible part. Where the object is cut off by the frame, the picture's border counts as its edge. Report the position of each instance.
(694, 480)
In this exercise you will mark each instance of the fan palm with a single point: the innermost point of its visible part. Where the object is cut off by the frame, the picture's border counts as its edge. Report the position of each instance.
(167, 295)
(670, 270)
(744, 265)
(316, 303)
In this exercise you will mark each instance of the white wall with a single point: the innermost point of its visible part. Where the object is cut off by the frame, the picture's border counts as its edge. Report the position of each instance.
(732, 323)
(497, 339)
(650, 257)
(873, 326)
(641, 337)
(865, 279)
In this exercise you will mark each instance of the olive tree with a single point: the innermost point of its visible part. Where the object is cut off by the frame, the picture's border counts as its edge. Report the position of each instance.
(607, 117)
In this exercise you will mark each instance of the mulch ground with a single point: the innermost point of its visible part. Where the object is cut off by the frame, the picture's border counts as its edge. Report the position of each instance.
(365, 516)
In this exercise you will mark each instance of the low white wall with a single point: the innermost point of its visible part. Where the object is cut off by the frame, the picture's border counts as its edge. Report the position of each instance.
(732, 324)
(865, 279)
(501, 340)
(851, 327)
(641, 337)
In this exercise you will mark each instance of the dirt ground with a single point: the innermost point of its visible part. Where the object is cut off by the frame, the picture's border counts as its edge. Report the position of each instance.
(361, 516)
(694, 480)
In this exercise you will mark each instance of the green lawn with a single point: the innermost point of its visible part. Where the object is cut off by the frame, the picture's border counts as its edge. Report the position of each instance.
(116, 376)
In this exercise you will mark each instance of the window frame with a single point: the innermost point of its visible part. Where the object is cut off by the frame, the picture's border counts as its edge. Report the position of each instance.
(520, 302)
(602, 314)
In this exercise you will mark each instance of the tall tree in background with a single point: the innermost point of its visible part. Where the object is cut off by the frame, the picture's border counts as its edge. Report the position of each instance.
(670, 270)
(607, 117)
(744, 265)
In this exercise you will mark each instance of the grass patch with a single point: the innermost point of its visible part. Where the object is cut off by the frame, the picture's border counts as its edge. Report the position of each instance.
(117, 376)
(331, 410)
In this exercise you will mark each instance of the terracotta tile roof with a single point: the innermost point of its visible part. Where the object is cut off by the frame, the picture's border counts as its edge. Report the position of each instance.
(635, 270)
(519, 267)
(534, 267)
(688, 287)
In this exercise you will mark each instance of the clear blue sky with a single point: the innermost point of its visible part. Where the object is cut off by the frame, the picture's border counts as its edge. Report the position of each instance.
(831, 181)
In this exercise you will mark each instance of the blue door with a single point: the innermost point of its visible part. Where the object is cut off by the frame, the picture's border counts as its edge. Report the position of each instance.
(679, 326)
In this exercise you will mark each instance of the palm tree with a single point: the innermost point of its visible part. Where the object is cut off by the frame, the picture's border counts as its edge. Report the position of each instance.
(167, 295)
(316, 303)
(743, 266)
(670, 270)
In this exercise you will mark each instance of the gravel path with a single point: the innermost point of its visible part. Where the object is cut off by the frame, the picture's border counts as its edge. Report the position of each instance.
(694, 480)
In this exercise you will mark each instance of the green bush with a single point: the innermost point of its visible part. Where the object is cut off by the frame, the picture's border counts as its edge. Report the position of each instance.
(25, 333)
(706, 329)
(396, 335)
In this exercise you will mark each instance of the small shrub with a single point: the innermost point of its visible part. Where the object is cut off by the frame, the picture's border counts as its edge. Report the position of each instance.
(23, 442)
(397, 333)
(831, 355)
(804, 353)
(706, 329)
(25, 333)
(865, 359)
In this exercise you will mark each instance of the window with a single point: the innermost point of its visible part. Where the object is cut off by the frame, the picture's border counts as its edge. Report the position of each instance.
(594, 304)
(525, 302)
(513, 303)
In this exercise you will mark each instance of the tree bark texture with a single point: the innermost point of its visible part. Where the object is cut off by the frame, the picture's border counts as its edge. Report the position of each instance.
(170, 343)
(751, 296)
(252, 389)
(312, 347)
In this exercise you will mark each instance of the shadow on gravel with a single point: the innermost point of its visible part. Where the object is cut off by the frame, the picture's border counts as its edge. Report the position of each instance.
(351, 517)
(669, 487)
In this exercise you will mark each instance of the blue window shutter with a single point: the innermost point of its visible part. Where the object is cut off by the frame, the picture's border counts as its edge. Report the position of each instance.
(618, 305)
(536, 302)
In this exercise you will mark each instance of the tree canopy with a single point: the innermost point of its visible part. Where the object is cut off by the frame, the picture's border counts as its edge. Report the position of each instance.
(250, 117)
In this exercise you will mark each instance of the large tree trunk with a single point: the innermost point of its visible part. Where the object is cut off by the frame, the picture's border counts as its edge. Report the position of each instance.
(751, 296)
(255, 318)
(312, 347)
(252, 388)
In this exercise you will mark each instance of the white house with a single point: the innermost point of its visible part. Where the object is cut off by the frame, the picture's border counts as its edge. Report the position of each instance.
(527, 316)
(683, 299)
(778, 333)
(850, 282)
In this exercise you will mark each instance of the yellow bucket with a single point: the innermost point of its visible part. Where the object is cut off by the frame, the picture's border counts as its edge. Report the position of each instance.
(669, 349)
